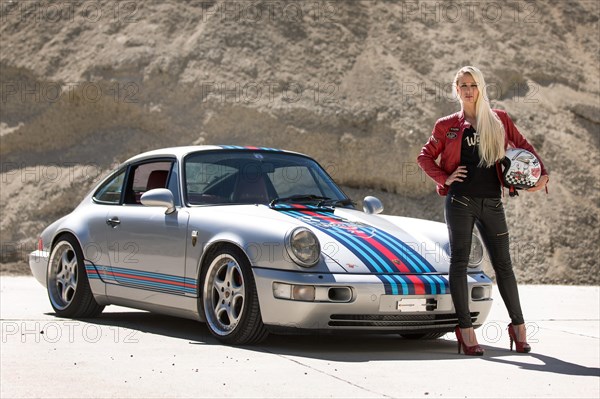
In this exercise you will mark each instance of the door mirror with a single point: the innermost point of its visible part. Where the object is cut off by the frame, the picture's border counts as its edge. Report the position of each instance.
(159, 197)
(372, 205)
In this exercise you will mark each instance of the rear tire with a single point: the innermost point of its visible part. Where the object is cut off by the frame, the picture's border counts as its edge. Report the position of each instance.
(229, 300)
(68, 286)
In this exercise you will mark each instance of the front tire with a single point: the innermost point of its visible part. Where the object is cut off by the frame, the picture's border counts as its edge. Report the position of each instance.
(229, 299)
(68, 286)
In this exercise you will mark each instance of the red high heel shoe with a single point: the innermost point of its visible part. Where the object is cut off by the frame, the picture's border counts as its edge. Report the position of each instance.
(521, 346)
(474, 350)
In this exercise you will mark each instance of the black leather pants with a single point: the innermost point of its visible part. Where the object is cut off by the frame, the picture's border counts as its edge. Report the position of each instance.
(488, 214)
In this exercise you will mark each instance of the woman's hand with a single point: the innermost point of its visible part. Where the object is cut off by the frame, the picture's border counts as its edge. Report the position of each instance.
(540, 184)
(458, 175)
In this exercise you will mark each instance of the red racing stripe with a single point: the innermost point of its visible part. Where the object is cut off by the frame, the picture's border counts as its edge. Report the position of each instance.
(417, 283)
(386, 252)
(134, 276)
(156, 280)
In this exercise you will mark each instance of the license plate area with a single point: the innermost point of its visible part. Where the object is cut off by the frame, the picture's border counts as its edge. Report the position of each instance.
(412, 305)
(408, 304)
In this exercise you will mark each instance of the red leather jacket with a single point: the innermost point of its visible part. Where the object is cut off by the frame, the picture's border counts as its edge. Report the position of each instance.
(446, 140)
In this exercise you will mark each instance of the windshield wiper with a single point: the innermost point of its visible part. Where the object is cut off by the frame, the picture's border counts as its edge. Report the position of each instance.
(322, 201)
(300, 198)
(334, 203)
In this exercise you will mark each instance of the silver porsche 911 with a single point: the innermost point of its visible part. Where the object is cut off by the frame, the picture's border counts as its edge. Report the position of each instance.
(250, 240)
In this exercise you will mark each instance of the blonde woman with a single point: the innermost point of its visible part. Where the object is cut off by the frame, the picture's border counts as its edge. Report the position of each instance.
(470, 144)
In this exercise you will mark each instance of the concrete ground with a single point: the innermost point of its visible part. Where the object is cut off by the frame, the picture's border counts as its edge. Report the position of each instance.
(129, 353)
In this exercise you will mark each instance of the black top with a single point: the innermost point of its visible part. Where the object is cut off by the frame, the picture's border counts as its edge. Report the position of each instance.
(480, 182)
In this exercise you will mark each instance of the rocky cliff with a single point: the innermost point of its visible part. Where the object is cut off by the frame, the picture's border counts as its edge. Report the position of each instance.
(355, 84)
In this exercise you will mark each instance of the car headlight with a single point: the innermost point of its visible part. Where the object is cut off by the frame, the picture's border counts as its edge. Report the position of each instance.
(303, 247)
(476, 255)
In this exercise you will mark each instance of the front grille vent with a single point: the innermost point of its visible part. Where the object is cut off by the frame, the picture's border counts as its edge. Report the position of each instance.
(401, 321)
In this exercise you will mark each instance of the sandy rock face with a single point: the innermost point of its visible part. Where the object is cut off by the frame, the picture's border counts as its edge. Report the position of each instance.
(357, 85)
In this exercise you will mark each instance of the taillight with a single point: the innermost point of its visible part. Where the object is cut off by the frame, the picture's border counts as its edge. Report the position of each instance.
(40, 244)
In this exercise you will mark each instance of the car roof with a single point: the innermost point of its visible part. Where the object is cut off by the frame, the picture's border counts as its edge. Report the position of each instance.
(180, 152)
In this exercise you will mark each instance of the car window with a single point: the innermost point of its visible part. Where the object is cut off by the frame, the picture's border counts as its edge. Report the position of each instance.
(207, 176)
(110, 192)
(290, 180)
(244, 177)
(145, 177)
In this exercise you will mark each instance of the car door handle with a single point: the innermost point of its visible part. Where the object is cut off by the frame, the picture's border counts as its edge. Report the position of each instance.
(113, 222)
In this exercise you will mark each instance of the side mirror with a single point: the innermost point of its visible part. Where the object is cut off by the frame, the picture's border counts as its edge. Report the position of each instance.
(372, 205)
(159, 197)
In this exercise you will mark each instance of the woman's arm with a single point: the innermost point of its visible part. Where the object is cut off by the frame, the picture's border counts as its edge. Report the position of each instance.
(517, 139)
(430, 152)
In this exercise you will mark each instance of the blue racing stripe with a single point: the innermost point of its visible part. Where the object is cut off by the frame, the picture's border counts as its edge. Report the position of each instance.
(393, 243)
(137, 277)
(344, 236)
(91, 272)
(357, 242)
(405, 289)
(442, 281)
(151, 274)
(410, 287)
(409, 257)
(410, 252)
(417, 261)
(347, 240)
(364, 257)
(432, 284)
(154, 284)
(392, 284)
(250, 148)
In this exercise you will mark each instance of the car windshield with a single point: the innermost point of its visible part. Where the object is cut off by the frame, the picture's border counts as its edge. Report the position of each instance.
(261, 177)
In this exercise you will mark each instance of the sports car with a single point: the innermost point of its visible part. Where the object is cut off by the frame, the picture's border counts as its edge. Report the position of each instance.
(251, 241)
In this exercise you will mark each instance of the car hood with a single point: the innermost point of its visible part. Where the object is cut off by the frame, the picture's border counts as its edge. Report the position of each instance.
(363, 243)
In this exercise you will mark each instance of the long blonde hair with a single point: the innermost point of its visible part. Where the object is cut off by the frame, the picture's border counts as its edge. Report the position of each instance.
(490, 128)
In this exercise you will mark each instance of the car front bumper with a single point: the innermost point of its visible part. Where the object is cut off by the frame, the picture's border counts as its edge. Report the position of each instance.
(38, 263)
(368, 308)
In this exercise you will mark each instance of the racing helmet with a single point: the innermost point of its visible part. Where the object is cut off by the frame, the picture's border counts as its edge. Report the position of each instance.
(521, 169)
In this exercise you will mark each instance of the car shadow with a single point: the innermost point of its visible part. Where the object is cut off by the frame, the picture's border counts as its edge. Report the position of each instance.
(339, 347)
